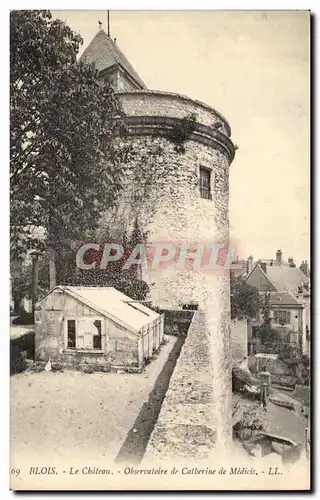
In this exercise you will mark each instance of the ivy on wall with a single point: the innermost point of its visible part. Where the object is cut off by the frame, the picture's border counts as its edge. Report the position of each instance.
(182, 131)
(147, 172)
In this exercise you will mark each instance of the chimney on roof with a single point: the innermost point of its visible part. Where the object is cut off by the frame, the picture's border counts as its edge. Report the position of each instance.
(263, 266)
(305, 268)
(279, 257)
(249, 264)
(291, 262)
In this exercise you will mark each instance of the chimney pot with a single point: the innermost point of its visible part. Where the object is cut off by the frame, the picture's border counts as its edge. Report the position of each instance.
(249, 264)
(263, 266)
(291, 262)
(279, 256)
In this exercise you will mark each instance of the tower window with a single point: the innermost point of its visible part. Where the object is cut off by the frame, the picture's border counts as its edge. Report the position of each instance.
(205, 183)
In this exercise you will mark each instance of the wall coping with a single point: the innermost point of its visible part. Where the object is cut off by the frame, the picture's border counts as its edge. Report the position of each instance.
(187, 404)
(162, 125)
(181, 97)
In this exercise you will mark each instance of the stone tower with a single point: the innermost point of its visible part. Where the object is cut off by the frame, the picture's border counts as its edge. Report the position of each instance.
(179, 192)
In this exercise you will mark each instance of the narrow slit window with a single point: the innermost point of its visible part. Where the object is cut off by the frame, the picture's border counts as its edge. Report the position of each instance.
(71, 334)
(205, 183)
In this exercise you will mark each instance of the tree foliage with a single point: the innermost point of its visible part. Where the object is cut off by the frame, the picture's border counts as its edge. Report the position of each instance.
(265, 332)
(254, 418)
(127, 281)
(22, 278)
(63, 170)
(245, 299)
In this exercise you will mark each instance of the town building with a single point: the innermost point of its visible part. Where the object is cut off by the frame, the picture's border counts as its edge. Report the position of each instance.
(305, 268)
(240, 268)
(289, 298)
(97, 327)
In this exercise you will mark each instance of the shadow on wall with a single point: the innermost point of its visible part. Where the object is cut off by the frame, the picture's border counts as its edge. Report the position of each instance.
(134, 446)
(176, 322)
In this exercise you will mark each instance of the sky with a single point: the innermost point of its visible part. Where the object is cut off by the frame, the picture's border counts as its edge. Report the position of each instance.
(253, 67)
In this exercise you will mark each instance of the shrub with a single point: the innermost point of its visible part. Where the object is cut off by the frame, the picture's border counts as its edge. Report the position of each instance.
(164, 340)
(57, 367)
(17, 361)
(253, 421)
(104, 368)
(241, 378)
(173, 330)
(85, 369)
(24, 319)
(245, 299)
(20, 348)
(36, 368)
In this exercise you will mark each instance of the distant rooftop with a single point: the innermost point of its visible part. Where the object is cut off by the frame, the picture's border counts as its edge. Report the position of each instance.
(286, 278)
(284, 299)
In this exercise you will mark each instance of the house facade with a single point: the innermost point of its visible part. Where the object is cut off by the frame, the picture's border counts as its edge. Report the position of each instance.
(288, 289)
(95, 326)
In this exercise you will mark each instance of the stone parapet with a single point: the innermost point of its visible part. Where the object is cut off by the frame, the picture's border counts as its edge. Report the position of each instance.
(157, 103)
(186, 426)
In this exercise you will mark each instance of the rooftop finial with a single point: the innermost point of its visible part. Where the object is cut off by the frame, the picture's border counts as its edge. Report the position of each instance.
(100, 25)
(108, 23)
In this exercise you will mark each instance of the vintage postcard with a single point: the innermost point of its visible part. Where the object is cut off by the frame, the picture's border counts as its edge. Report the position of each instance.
(160, 334)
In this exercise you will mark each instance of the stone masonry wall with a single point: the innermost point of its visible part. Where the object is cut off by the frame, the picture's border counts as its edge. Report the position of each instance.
(239, 342)
(162, 190)
(186, 429)
(155, 103)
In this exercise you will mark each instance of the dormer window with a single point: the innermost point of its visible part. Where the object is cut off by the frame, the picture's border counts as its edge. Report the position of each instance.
(205, 183)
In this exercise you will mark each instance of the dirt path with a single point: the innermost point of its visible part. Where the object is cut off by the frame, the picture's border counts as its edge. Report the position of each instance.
(134, 446)
(72, 414)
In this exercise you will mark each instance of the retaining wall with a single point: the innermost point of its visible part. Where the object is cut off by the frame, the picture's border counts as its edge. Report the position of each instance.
(186, 428)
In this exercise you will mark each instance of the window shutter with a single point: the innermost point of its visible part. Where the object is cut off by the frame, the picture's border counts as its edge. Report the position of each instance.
(85, 333)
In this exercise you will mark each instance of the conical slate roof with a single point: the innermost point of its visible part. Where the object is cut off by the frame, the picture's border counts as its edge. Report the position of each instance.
(104, 53)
